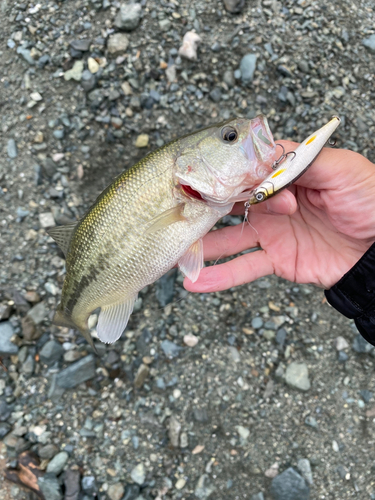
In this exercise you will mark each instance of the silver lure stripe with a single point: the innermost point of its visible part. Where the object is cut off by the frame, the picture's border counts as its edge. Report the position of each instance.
(295, 164)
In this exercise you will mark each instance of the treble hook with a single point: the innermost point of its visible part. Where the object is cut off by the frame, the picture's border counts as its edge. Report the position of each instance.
(282, 157)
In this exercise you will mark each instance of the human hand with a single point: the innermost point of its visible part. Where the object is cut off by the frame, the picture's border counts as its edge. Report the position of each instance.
(313, 232)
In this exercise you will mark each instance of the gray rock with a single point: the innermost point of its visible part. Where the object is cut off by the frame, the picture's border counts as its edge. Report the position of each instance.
(174, 429)
(51, 352)
(48, 451)
(81, 45)
(115, 491)
(6, 333)
(89, 485)
(141, 376)
(289, 485)
(26, 54)
(165, 24)
(247, 68)
(215, 94)
(204, 488)
(75, 73)
(165, 288)
(71, 483)
(229, 79)
(257, 323)
(58, 133)
(131, 492)
(138, 474)
(4, 429)
(50, 487)
(76, 373)
(12, 149)
(305, 469)
(57, 464)
(170, 349)
(311, 422)
(366, 395)
(28, 366)
(234, 6)
(5, 411)
(117, 43)
(297, 376)
(370, 43)
(88, 80)
(258, 496)
(361, 345)
(128, 16)
(38, 313)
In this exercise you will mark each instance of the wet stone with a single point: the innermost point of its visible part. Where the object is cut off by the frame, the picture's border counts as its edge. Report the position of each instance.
(247, 67)
(76, 373)
(204, 489)
(6, 333)
(132, 492)
(51, 352)
(257, 323)
(369, 43)
(361, 345)
(165, 288)
(138, 474)
(12, 149)
(117, 43)
(141, 376)
(50, 487)
(258, 496)
(81, 45)
(57, 464)
(72, 484)
(297, 376)
(4, 428)
(5, 411)
(289, 485)
(48, 451)
(115, 491)
(38, 313)
(128, 16)
(89, 485)
(170, 349)
(305, 469)
(234, 6)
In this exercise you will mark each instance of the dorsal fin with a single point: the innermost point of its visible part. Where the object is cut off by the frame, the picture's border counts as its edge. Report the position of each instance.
(63, 235)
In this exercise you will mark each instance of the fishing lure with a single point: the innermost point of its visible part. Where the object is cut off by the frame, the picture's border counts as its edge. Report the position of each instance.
(290, 166)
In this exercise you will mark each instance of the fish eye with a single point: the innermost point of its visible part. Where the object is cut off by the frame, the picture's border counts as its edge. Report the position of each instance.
(229, 134)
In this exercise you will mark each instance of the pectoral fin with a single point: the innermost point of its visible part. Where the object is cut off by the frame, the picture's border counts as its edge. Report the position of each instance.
(192, 262)
(113, 320)
(63, 235)
(167, 218)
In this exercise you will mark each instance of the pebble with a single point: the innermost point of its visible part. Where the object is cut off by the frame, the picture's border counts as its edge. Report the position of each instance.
(341, 343)
(88, 485)
(165, 288)
(51, 352)
(126, 88)
(190, 340)
(46, 220)
(297, 376)
(75, 73)
(142, 141)
(244, 434)
(229, 79)
(289, 485)
(257, 323)
(35, 96)
(180, 484)
(204, 488)
(82, 45)
(76, 373)
(128, 16)
(165, 24)
(234, 6)
(26, 54)
(93, 65)
(304, 467)
(141, 376)
(215, 94)
(174, 429)
(311, 422)
(272, 471)
(138, 474)
(4, 428)
(189, 46)
(48, 451)
(257, 496)
(38, 313)
(50, 487)
(370, 43)
(88, 80)
(117, 43)
(247, 68)
(6, 333)
(5, 411)
(57, 464)
(361, 345)
(116, 491)
(12, 149)
(71, 483)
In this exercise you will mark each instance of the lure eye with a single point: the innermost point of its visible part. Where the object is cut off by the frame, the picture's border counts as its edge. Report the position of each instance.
(229, 134)
(259, 196)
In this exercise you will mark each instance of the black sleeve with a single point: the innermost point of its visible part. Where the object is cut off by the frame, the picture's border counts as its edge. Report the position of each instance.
(354, 295)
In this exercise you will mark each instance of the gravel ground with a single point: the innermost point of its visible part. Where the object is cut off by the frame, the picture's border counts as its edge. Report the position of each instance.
(260, 392)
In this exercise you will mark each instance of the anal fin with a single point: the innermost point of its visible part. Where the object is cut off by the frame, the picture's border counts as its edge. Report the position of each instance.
(167, 218)
(192, 262)
(113, 320)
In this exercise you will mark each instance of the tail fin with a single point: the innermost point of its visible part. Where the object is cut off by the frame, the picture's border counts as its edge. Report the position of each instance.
(62, 319)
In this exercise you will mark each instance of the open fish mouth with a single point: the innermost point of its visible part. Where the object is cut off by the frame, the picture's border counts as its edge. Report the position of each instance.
(191, 192)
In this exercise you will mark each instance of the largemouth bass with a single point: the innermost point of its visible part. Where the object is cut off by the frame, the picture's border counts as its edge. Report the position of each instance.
(152, 217)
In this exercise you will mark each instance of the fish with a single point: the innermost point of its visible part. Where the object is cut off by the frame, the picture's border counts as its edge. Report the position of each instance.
(152, 217)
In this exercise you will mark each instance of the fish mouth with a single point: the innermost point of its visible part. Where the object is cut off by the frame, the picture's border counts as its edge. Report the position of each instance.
(192, 193)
